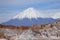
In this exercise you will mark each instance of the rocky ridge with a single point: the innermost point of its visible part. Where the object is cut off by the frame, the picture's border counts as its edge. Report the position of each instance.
(34, 32)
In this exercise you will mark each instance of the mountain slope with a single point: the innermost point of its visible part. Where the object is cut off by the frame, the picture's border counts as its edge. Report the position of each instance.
(28, 22)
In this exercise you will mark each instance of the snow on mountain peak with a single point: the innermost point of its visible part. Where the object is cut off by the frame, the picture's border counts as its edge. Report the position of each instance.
(29, 13)
(57, 15)
(33, 13)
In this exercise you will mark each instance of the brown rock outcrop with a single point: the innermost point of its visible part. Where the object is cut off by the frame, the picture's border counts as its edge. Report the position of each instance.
(46, 30)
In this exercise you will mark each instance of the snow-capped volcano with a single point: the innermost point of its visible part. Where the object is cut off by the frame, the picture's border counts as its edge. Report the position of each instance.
(29, 13)
(34, 13)
(31, 16)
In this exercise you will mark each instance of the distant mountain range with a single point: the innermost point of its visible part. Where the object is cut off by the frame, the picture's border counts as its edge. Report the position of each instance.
(30, 17)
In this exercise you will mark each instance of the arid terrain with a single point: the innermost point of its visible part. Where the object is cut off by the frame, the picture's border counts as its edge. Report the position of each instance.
(34, 32)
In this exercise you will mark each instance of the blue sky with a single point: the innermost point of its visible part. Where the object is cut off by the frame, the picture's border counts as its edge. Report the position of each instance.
(9, 8)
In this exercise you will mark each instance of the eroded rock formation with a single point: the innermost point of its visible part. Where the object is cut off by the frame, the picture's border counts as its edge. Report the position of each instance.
(37, 32)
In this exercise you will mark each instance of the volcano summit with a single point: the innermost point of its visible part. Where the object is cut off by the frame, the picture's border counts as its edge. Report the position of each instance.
(30, 17)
